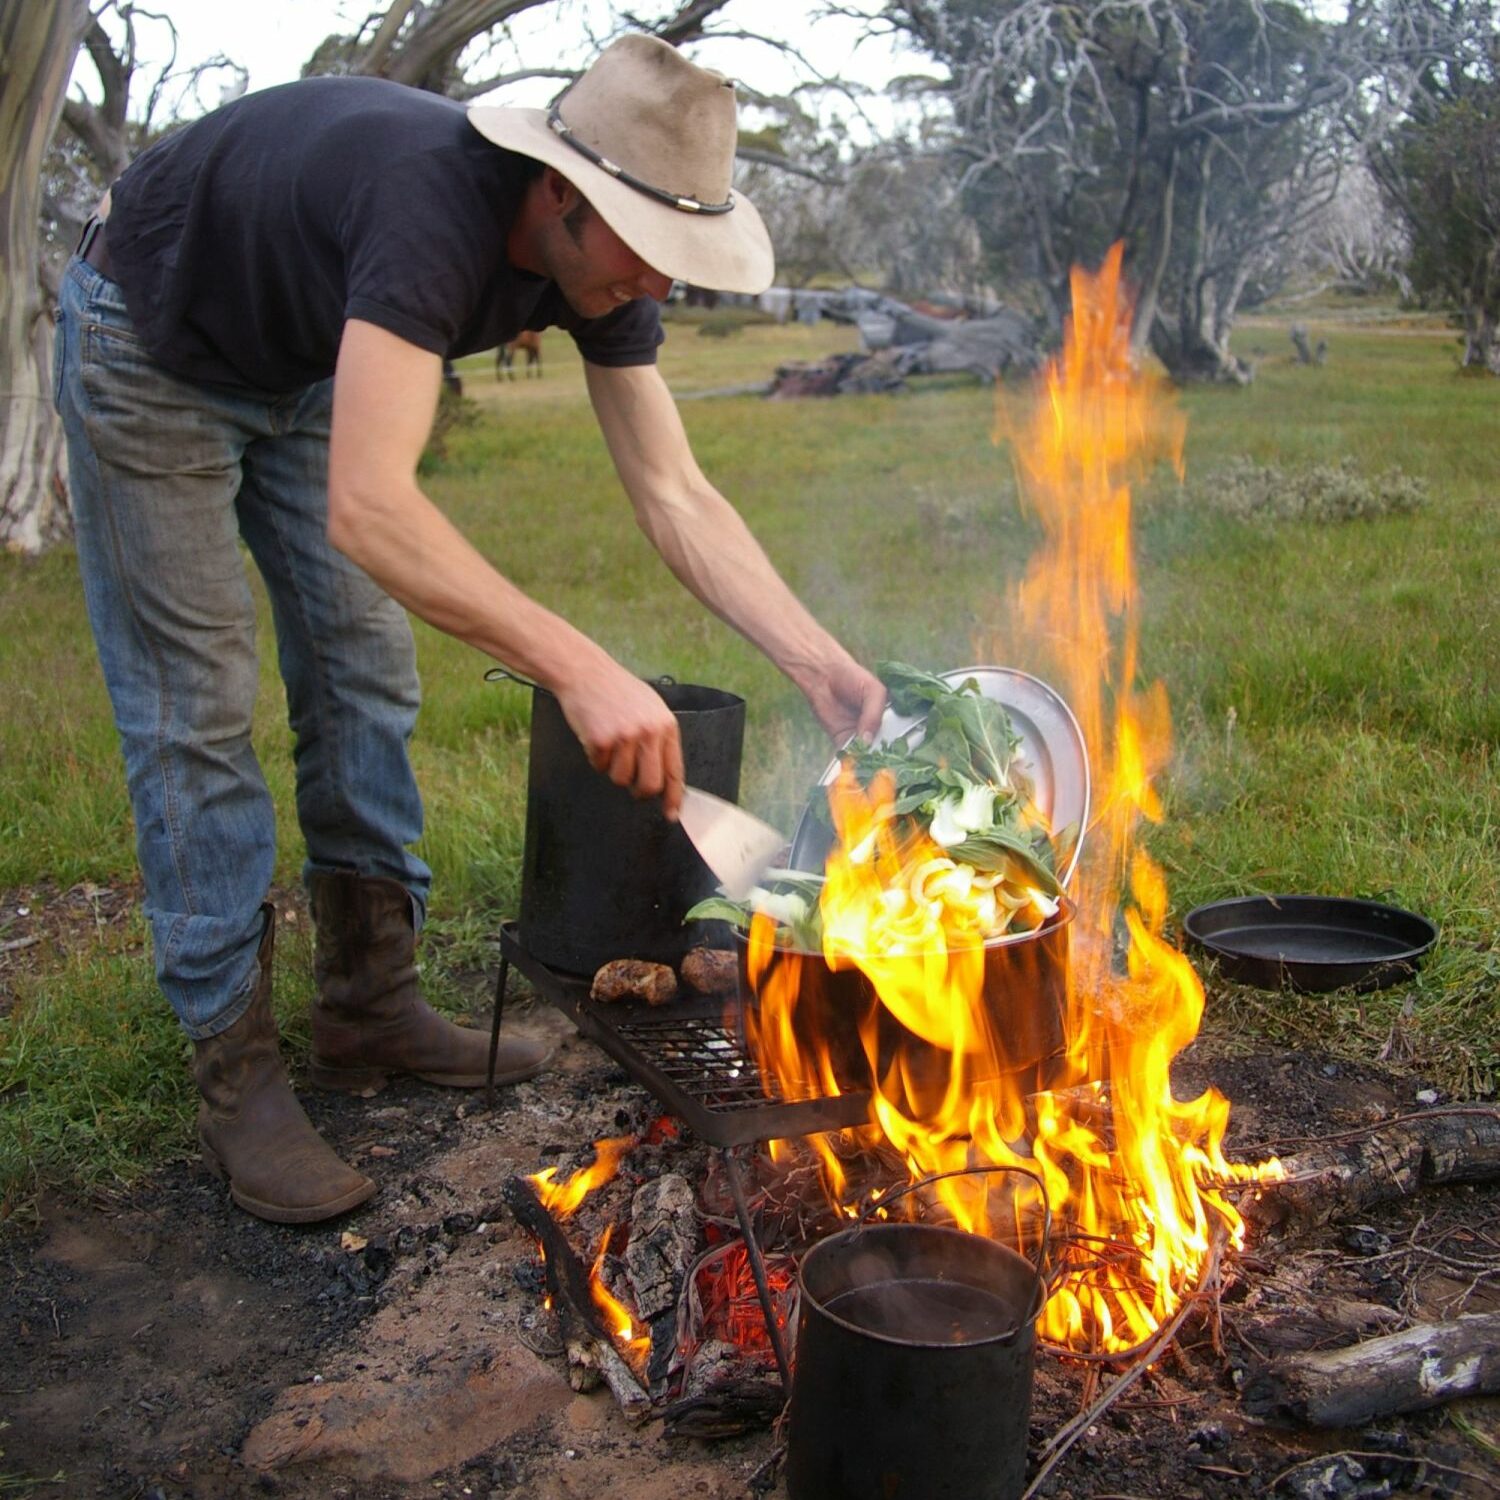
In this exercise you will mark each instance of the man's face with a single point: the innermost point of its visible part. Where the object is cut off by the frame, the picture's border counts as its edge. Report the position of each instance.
(595, 269)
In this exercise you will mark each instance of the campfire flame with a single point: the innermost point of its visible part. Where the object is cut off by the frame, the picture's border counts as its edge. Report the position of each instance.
(561, 1199)
(1132, 1175)
(635, 1346)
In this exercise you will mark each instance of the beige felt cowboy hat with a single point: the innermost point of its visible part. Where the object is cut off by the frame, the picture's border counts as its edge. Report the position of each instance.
(648, 138)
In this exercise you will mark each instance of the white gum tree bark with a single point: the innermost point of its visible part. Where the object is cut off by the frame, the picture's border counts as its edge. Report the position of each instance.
(38, 41)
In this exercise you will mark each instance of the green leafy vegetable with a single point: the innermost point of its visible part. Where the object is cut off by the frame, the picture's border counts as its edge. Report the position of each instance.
(789, 897)
(956, 778)
(912, 690)
(996, 847)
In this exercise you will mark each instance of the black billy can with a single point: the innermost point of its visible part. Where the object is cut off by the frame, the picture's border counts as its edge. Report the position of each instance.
(605, 876)
(913, 1367)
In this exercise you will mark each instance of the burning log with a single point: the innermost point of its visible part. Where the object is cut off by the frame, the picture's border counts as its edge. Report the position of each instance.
(748, 1406)
(1349, 1174)
(1408, 1371)
(591, 1355)
(665, 1237)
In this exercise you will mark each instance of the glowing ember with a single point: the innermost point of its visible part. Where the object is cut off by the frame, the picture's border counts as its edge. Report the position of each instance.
(726, 1305)
(561, 1198)
(1131, 1173)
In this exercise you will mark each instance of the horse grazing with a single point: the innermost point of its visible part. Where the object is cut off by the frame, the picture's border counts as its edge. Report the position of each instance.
(505, 356)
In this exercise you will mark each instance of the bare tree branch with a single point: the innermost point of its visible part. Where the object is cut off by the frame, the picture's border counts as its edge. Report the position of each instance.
(473, 90)
(431, 41)
(785, 164)
(687, 25)
(380, 47)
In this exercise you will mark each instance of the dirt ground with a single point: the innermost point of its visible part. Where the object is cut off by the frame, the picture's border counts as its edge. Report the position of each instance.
(159, 1343)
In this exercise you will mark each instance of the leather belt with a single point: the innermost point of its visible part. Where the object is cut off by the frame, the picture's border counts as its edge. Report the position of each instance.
(93, 250)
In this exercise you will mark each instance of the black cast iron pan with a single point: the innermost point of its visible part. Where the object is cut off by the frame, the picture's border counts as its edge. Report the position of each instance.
(1312, 943)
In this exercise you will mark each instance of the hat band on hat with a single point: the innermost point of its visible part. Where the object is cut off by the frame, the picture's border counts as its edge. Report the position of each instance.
(675, 200)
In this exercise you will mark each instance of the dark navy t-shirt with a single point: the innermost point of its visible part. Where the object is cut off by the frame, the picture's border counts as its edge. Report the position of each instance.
(245, 241)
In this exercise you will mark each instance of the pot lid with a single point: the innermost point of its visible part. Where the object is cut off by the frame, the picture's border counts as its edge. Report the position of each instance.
(1052, 754)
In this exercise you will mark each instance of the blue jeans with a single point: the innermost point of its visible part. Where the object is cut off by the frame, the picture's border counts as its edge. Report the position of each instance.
(167, 477)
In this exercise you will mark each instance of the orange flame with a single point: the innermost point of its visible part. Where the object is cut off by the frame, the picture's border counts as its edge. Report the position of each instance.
(634, 1345)
(562, 1198)
(1132, 1174)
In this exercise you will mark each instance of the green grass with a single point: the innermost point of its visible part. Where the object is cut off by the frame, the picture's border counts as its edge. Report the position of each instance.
(1334, 686)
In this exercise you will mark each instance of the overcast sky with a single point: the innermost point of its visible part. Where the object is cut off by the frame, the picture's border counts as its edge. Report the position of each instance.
(273, 38)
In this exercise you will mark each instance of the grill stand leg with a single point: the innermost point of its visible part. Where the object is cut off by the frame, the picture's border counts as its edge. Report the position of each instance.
(757, 1266)
(501, 980)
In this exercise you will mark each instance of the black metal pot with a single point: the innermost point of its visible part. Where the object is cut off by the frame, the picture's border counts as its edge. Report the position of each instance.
(1024, 1004)
(913, 1367)
(605, 876)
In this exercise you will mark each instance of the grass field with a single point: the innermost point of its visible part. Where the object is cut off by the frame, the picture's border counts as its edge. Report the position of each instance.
(1335, 684)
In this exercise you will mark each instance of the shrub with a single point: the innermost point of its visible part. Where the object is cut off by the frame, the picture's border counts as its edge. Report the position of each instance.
(1325, 493)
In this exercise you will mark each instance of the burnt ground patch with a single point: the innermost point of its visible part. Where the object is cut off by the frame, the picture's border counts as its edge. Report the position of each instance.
(158, 1342)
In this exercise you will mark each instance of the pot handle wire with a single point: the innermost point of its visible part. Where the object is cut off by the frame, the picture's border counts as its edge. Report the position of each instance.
(499, 674)
(1044, 1281)
(504, 674)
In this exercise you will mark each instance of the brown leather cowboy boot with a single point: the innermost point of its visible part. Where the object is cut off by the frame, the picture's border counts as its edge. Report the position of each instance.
(251, 1128)
(369, 1019)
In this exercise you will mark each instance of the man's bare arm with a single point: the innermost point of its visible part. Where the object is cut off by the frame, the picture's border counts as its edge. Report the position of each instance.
(385, 394)
(707, 545)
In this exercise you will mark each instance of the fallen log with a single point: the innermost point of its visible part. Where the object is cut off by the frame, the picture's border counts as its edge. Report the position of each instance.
(749, 1407)
(592, 1356)
(1394, 1160)
(1316, 1327)
(1408, 1371)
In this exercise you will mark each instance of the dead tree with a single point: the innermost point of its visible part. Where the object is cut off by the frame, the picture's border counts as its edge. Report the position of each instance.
(1306, 354)
(38, 43)
(1194, 134)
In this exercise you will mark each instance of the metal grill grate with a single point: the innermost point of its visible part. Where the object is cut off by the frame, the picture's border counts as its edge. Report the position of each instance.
(688, 1054)
(699, 1055)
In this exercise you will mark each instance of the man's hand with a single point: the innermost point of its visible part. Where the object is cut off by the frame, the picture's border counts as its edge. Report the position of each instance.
(847, 699)
(627, 731)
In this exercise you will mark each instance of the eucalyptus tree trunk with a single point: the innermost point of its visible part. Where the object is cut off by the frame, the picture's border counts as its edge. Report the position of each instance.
(1192, 340)
(1481, 340)
(1482, 312)
(38, 41)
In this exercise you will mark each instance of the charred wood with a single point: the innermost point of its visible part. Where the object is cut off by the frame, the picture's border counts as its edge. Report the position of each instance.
(665, 1237)
(591, 1355)
(1408, 1371)
(1325, 1323)
(1391, 1161)
(749, 1406)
